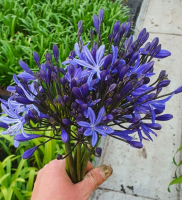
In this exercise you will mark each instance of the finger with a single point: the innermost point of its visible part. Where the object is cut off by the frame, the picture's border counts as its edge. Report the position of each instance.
(89, 166)
(93, 179)
(37, 183)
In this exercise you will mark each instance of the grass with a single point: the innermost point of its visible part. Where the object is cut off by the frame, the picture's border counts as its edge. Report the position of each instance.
(29, 25)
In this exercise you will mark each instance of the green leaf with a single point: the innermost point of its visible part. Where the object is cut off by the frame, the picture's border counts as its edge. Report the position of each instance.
(31, 180)
(175, 154)
(3, 178)
(18, 194)
(18, 171)
(175, 181)
(4, 191)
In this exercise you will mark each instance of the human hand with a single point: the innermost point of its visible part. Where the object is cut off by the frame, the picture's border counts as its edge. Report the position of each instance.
(53, 183)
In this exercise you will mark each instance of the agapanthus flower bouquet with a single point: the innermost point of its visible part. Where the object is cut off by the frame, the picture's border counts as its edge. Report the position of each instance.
(96, 92)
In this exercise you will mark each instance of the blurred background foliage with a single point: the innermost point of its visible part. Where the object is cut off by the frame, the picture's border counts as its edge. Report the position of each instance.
(35, 25)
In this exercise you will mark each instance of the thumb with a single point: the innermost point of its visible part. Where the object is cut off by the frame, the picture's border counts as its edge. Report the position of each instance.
(94, 179)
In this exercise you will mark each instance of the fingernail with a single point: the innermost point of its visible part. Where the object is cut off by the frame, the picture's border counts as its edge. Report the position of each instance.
(105, 171)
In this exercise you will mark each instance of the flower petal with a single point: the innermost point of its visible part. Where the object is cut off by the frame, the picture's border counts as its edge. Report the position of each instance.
(24, 66)
(135, 144)
(100, 53)
(153, 114)
(77, 49)
(94, 138)
(83, 124)
(21, 138)
(104, 130)
(27, 76)
(83, 63)
(88, 132)
(163, 54)
(89, 55)
(11, 89)
(91, 115)
(101, 112)
(16, 143)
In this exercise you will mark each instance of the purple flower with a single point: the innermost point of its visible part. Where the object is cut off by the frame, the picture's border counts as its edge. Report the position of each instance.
(13, 118)
(92, 128)
(178, 90)
(27, 154)
(64, 136)
(101, 15)
(93, 65)
(125, 134)
(98, 151)
(56, 52)
(89, 104)
(135, 144)
(162, 53)
(3, 125)
(96, 23)
(73, 73)
(21, 138)
(26, 76)
(36, 58)
(24, 66)
(164, 117)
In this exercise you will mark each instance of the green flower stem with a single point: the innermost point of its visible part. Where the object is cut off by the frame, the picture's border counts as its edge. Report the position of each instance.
(75, 157)
(78, 162)
(67, 167)
(70, 162)
(85, 160)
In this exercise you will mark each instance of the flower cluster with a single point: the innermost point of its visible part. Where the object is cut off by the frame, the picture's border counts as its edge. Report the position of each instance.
(97, 93)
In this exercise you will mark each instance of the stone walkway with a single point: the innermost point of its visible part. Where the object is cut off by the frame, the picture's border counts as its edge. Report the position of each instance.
(145, 174)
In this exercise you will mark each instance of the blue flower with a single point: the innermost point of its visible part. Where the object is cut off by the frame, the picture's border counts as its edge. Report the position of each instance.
(91, 63)
(89, 104)
(28, 153)
(78, 52)
(13, 118)
(29, 96)
(162, 53)
(73, 73)
(92, 128)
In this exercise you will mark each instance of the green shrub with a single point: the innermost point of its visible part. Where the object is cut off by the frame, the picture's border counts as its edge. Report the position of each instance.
(29, 25)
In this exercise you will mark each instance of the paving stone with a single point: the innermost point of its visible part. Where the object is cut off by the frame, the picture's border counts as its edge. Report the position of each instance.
(163, 16)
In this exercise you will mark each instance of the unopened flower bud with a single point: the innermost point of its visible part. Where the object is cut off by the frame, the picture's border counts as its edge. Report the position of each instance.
(64, 136)
(108, 102)
(54, 76)
(48, 58)
(67, 121)
(36, 58)
(56, 52)
(98, 151)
